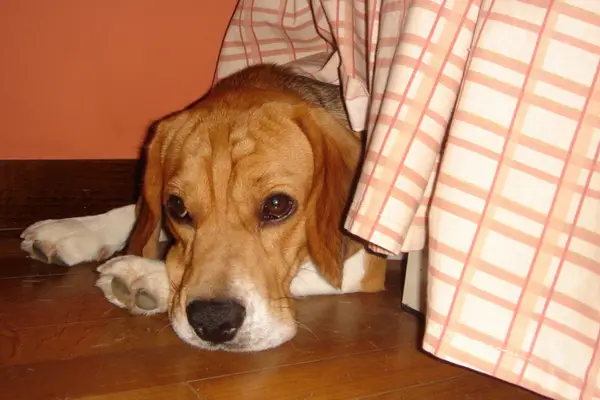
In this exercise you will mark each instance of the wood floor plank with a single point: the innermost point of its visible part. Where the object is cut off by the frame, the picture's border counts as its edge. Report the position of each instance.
(38, 313)
(470, 385)
(179, 391)
(17, 267)
(150, 366)
(69, 340)
(60, 339)
(339, 378)
(48, 343)
(9, 246)
(48, 287)
(336, 329)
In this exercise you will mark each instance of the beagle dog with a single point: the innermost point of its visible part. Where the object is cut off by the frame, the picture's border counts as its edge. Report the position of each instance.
(249, 187)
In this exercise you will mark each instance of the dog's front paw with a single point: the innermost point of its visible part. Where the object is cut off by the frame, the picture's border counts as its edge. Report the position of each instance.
(72, 241)
(66, 242)
(138, 284)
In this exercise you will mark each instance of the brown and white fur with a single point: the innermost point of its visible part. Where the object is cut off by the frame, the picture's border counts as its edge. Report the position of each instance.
(210, 167)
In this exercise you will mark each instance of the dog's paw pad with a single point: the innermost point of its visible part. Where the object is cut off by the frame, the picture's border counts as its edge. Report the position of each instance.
(145, 301)
(38, 252)
(135, 283)
(120, 290)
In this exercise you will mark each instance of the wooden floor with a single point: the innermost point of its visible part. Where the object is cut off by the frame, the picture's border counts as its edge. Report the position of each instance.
(59, 339)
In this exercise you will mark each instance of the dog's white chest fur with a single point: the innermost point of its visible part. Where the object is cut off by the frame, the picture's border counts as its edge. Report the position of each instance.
(309, 282)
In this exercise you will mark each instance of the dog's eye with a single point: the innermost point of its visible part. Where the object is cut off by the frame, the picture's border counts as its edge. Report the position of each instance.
(277, 207)
(176, 209)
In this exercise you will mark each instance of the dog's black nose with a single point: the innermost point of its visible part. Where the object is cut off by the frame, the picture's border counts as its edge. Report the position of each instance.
(216, 321)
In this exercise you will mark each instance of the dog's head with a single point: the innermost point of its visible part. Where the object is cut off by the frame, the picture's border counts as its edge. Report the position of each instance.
(250, 184)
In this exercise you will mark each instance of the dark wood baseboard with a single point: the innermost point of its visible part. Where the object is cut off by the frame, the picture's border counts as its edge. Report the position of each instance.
(32, 190)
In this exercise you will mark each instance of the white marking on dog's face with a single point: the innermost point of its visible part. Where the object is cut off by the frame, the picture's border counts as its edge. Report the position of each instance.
(262, 329)
(259, 331)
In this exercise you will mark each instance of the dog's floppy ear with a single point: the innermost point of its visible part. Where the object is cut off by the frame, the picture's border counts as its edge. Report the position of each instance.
(336, 153)
(144, 237)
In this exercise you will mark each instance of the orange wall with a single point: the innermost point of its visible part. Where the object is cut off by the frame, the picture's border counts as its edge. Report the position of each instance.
(82, 79)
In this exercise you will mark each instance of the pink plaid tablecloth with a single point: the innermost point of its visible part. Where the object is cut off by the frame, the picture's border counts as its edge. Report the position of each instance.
(483, 120)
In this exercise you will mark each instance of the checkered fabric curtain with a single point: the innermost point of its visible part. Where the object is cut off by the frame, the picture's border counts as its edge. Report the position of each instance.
(483, 121)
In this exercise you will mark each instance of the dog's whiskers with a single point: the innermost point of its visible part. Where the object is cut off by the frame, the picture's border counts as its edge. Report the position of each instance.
(164, 327)
(301, 325)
